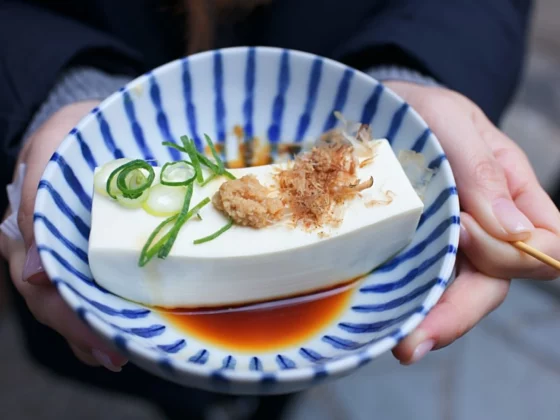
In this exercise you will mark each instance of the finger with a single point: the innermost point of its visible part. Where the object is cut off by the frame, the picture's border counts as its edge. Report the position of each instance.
(51, 310)
(481, 181)
(47, 307)
(528, 194)
(500, 259)
(84, 356)
(465, 303)
(95, 357)
(42, 144)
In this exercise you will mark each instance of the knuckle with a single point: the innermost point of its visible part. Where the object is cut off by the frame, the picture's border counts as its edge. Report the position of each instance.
(511, 155)
(488, 175)
(485, 131)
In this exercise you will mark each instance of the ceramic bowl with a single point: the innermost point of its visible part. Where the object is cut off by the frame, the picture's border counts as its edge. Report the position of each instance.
(279, 96)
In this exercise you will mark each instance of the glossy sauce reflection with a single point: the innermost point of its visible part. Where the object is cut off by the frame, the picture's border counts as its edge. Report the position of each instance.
(267, 326)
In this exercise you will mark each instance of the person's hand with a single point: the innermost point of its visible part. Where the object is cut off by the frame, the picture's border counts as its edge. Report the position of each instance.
(42, 298)
(501, 201)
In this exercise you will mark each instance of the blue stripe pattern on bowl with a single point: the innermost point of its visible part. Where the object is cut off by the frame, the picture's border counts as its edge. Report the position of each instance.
(276, 95)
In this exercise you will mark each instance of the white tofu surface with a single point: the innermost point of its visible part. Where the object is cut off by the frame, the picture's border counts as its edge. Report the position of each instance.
(247, 265)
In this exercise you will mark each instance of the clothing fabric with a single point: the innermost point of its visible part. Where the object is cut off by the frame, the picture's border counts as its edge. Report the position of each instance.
(473, 46)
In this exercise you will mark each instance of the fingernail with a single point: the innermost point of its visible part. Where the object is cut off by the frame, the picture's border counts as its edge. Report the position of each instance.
(510, 217)
(33, 265)
(421, 350)
(105, 360)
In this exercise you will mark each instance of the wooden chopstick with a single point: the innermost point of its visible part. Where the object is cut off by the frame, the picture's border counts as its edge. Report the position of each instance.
(535, 253)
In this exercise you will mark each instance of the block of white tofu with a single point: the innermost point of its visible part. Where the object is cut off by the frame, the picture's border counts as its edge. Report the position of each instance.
(246, 265)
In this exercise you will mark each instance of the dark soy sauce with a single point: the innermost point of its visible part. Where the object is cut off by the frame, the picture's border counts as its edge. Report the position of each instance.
(264, 326)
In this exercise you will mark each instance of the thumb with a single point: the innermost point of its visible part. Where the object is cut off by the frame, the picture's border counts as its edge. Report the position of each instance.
(483, 187)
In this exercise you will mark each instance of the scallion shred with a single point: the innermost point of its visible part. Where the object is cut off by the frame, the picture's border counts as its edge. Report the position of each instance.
(166, 248)
(133, 179)
(149, 252)
(192, 152)
(174, 146)
(209, 179)
(169, 239)
(215, 234)
(214, 152)
(213, 167)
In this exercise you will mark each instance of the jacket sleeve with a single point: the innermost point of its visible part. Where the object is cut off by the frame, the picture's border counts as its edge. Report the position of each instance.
(36, 45)
(473, 46)
(476, 47)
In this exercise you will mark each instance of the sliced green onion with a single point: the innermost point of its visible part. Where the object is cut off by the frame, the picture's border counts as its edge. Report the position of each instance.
(111, 186)
(216, 168)
(131, 173)
(166, 248)
(174, 146)
(164, 201)
(209, 179)
(191, 150)
(219, 161)
(213, 167)
(133, 203)
(102, 175)
(228, 174)
(136, 184)
(197, 208)
(207, 162)
(215, 234)
(149, 252)
(176, 174)
(172, 235)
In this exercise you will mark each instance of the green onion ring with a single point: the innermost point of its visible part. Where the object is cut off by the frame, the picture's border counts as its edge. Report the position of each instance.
(123, 171)
(178, 183)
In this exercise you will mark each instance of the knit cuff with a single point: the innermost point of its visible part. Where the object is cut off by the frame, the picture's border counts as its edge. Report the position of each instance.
(75, 85)
(402, 74)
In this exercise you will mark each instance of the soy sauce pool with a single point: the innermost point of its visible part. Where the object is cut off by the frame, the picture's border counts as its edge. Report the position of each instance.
(266, 326)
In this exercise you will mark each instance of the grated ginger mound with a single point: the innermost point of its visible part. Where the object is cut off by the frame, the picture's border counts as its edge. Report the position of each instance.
(248, 203)
(312, 190)
(320, 181)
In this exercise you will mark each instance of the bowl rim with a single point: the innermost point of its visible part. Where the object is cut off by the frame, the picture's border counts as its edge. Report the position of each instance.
(333, 367)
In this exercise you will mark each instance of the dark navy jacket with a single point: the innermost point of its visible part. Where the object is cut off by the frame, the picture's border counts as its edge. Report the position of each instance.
(473, 46)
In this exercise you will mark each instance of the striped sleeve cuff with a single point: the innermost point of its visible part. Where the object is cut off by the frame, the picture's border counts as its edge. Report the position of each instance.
(402, 74)
(74, 85)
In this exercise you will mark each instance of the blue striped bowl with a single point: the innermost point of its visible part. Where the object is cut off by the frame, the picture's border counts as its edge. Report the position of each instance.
(282, 96)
